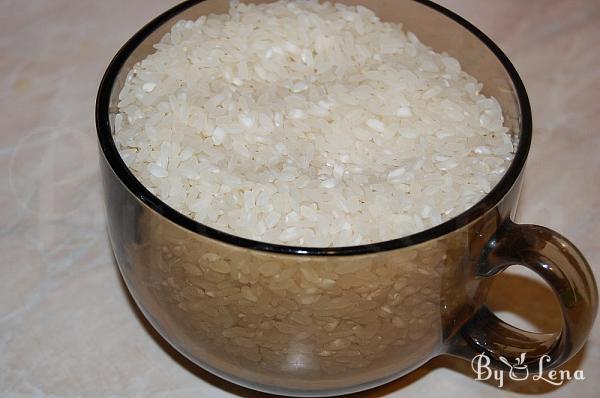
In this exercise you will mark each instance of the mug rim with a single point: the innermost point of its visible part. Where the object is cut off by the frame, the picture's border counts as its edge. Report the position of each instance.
(136, 188)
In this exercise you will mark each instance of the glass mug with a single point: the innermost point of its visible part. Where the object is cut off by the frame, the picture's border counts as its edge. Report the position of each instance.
(324, 321)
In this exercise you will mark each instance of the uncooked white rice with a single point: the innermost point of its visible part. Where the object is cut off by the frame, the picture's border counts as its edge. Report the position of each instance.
(308, 123)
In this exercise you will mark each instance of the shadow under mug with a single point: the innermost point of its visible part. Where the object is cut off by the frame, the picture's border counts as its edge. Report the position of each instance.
(323, 321)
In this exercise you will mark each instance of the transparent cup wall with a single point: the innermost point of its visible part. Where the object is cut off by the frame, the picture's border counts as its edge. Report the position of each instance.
(307, 325)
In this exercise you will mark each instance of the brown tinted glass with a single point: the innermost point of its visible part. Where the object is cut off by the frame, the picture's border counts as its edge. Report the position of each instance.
(319, 321)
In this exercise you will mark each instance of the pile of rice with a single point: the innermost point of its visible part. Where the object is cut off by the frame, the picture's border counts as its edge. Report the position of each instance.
(309, 124)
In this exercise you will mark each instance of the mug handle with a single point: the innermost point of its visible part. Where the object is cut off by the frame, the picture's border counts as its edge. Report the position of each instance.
(567, 272)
